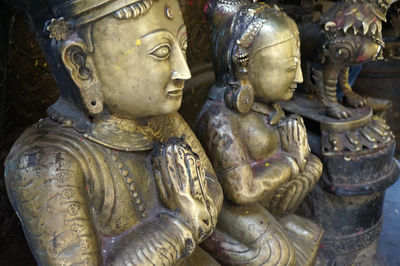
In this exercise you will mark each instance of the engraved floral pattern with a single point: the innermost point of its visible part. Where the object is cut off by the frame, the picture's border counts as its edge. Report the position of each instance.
(59, 29)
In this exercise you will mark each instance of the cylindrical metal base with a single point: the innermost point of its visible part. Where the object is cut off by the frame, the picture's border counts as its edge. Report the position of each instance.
(352, 225)
(348, 203)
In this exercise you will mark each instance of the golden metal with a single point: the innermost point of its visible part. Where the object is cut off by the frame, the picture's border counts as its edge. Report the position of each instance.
(262, 158)
(114, 176)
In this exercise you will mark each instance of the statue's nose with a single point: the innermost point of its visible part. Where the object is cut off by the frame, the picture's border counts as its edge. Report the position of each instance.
(180, 69)
(299, 75)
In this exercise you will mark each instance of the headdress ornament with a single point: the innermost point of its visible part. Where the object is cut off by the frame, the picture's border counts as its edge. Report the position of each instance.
(74, 13)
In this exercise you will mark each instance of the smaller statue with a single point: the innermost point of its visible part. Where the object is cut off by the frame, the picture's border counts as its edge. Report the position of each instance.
(114, 175)
(262, 158)
(350, 33)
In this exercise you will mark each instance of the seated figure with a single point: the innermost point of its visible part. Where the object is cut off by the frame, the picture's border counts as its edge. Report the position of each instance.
(261, 157)
(114, 175)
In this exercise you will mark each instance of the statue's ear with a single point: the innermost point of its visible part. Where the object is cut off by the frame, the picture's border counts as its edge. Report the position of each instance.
(82, 72)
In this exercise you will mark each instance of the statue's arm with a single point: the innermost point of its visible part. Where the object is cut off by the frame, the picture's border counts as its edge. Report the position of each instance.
(47, 188)
(242, 183)
(163, 241)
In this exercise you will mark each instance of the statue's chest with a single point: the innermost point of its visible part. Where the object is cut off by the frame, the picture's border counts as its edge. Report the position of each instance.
(130, 193)
(261, 139)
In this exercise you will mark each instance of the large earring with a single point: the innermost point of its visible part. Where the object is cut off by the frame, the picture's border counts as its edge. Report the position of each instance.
(240, 95)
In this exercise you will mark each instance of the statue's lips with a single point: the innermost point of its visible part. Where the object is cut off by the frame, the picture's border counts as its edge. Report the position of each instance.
(293, 87)
(175, 93)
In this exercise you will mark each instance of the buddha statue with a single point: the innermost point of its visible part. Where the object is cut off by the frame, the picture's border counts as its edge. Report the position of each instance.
(261, 156)
(114, 176)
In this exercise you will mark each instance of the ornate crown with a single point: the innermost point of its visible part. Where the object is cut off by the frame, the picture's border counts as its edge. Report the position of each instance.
(73, 13)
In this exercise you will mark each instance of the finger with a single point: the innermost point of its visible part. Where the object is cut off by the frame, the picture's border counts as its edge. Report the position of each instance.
(307, 181)
(292, 128)
(297, 130)
(300, 118)
(283, 134)
(290, 192)
(312, 181)
(211, 207)
(293, 201)
(314, 165)
(300, 192)
(206, 199)
(295, 204)
(315, 160)
(161, 187)
(212, 210)
(202, 176)
(288, 132)
(195, 187)
(284, 138)
(202, 180)
(313, 171)
(303, 134)
(164, 163)
(179, 153)
(279, 193)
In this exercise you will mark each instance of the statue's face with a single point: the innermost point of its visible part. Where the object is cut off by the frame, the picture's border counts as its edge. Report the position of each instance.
(141, 62)
(274, 71)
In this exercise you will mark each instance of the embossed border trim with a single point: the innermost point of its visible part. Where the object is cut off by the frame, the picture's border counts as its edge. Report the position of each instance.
(349, 243)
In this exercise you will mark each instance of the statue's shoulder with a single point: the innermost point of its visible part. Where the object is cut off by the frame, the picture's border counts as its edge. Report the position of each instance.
(214, 115)
(42, 150)
(45, 133)
(41, 168)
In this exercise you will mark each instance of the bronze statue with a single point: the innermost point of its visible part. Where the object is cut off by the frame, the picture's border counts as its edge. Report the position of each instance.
(261, 157)
(349, 33)
(114, 175)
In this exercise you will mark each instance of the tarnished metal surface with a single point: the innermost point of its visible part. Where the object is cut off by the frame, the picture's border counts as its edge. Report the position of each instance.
(376, 78)
(359, 164)
(261, 157)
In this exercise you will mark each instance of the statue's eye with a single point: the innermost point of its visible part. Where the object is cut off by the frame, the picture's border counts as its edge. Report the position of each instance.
(161, 51)
(184, 45)
(292, 68)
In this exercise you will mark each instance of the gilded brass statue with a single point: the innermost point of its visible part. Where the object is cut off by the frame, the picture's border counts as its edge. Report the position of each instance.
(350, 33)
(114, 175)
(261, 157)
